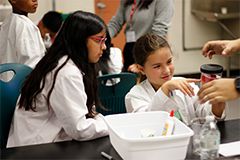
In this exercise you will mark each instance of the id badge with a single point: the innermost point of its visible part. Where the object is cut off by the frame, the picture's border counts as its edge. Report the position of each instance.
(130, 36)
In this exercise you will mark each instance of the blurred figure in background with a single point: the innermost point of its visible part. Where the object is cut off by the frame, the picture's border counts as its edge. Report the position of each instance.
(140, 17)
(20, 39)
(49, 25)
(111, 61)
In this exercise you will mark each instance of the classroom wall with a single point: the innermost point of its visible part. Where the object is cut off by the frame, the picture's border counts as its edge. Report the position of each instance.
(191, 33)
(62, 6)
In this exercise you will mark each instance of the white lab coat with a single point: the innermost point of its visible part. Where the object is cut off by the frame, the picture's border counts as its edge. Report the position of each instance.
(66, 118)
(20, 41)
(116, 62)
(142, 97)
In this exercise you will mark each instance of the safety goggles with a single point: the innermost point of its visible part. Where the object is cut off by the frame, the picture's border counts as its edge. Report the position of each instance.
(100, 40)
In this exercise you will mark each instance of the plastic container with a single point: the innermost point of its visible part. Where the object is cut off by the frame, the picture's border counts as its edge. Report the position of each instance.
(210, 72)
(169, 125)
(209, 139)
(125, 136)
(196, 125)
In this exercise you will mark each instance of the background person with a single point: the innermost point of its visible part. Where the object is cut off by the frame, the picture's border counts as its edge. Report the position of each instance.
(50, 24)
(20, 39)
(111, 60)
(140, 17)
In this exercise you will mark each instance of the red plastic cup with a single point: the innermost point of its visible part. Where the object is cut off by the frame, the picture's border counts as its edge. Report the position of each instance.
(210, 72)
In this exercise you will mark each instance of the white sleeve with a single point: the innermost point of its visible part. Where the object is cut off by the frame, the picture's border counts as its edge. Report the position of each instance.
(68, 101)
(189, 107)
(162, 102)
(138, 100)
(29, 46)
(116, 62)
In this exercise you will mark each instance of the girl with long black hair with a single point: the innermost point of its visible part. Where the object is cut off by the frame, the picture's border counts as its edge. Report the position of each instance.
(58, 99)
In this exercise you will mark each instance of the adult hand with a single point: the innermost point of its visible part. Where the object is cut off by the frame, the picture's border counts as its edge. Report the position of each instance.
(221, 47)
(218, 90)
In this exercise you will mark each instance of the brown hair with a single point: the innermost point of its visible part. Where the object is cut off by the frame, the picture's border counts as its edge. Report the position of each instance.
(144, 47)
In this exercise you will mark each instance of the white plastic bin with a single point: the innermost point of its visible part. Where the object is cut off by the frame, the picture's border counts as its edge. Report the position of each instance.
(125, 136)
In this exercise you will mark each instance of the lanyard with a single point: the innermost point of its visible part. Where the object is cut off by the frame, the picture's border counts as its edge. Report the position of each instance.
(133, 9)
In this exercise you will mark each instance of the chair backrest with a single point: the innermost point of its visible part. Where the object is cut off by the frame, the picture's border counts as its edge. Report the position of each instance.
(9, 92)
(112, 89)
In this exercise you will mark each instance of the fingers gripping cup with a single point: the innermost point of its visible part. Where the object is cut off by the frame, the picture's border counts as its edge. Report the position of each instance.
(210, 72)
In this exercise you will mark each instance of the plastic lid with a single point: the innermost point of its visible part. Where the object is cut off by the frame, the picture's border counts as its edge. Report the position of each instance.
(211, 68)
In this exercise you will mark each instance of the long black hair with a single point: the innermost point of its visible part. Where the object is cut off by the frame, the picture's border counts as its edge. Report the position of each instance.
(143, 4)
(71, 42)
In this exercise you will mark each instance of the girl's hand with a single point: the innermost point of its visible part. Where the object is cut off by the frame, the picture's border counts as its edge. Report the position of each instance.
(180, 84)
(134, 68)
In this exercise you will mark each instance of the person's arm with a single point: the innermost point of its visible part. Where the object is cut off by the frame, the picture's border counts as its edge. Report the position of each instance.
(116, 23)
(29, 45)
(142, 98)
(218, 109)
(137, 100)
(219, 90)
(164, 11)
(191, 91)
(68, 101)
(221, 47)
